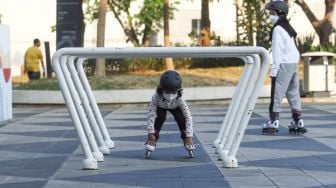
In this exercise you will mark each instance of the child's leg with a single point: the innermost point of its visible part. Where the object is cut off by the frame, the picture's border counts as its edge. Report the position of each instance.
(273, 115)
(180, 119)
(160, 119)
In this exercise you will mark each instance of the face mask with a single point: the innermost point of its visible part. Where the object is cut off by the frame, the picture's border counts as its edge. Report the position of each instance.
(169, 96)
(273, 18)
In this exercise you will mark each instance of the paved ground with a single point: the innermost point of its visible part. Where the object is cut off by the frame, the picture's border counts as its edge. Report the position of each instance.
(39, 148)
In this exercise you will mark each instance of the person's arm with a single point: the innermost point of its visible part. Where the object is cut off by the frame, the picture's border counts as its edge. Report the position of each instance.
(152, 114)
(277, 49)
(187, 115)
(25, 64)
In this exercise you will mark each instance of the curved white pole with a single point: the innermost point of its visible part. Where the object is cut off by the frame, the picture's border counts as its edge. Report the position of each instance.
(83, 96)
(229, 127)
(228, 112)
(89, 162)
(93, 103)
(231, 161)
(142, 52)
(78, 105)
(242, 106)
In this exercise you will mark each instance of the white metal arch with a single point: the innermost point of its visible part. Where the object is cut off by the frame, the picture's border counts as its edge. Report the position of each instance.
(86, 116)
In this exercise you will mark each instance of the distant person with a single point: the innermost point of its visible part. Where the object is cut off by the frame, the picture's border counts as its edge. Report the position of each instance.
(32, 59)
(168, 98)
(284, 70)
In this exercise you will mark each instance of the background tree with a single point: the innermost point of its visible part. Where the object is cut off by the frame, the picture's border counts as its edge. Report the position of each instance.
(141, 26)
(205, 24)
(0, 17)
(324, 27)
(168, 61)
(100, 63)
(252, 25)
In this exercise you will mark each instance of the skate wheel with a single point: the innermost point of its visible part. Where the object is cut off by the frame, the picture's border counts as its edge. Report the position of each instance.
(191, 154)
(148, 154)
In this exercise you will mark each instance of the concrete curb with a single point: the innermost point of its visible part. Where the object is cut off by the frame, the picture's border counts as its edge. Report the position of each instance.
(134, 96)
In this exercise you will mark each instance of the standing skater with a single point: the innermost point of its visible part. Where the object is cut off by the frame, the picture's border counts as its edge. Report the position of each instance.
(284, 70)
(168, 97)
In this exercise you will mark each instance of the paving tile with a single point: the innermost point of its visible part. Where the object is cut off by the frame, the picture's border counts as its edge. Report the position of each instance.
(40, 148)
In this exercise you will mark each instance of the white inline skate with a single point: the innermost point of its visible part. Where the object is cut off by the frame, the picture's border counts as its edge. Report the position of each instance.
(297, 128)
(149, 150)
(270, 128)
(190, 148)
(150, 145)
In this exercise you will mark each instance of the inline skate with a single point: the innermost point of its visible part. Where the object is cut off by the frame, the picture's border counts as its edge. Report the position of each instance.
(150, 145)
(297, 128)
(270, 128)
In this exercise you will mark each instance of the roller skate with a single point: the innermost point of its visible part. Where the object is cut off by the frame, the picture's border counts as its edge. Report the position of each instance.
(150, 145)
(297, 128)
(270, 128)
(189, 146)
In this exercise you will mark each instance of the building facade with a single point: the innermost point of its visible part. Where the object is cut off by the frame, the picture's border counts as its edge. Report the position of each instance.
(37, 17)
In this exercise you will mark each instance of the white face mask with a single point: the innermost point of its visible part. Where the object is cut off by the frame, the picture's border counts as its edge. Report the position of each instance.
(169, 96)
(273, 18)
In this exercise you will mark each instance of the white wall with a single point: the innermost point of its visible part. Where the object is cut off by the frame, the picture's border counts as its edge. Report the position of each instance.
(5, 79)
(34, 18)
(28, 20)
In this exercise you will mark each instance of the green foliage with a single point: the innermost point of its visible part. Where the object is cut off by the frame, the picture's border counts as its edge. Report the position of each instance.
(139, 27)
(306, 45)
(91, 11)
(0, 17)
(43, 84)
(215, 62)
(125, 81)
(53, 28)
(252, 25)
(117, 66)
(135, 65)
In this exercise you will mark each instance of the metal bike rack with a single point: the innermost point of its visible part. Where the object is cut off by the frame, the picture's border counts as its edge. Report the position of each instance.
(86, 116)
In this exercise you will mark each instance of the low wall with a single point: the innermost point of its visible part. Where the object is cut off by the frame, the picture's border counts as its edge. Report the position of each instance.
(128, 96)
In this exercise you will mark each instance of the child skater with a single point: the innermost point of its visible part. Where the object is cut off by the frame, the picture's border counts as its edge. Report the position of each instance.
(168, 97)
(284, 70)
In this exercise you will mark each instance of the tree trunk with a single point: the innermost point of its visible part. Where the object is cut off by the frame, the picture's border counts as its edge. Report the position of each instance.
(168, 61)
(100, 63)
(205, 24)
(323, 27)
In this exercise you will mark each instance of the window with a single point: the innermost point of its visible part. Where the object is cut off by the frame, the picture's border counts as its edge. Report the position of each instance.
(195, 26)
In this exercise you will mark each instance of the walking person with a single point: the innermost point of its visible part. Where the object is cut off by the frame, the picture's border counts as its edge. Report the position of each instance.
(32, 59)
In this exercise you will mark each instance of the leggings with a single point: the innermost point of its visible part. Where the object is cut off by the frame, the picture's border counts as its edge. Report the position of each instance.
(161, 118)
